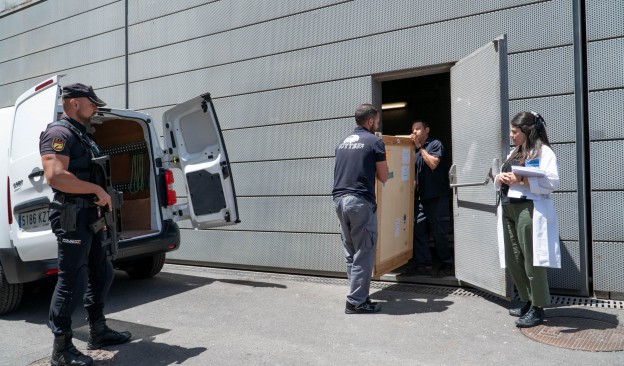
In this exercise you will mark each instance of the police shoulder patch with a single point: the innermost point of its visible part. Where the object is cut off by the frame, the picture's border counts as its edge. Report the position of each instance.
(58, 144)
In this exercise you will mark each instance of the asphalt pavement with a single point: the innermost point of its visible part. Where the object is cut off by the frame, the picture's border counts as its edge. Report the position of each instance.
(191, 316)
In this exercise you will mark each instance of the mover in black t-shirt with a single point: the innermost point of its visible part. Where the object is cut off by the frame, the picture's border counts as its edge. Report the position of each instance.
(360, 157)
(431, 206)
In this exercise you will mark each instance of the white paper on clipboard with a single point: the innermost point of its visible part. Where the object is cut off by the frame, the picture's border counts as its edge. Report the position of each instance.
(524, 171)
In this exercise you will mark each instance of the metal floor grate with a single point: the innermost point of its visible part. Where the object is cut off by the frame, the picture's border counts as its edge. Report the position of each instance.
(401, 287)
(584, 301)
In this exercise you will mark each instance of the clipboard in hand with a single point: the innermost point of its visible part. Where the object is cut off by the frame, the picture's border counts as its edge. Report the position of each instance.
(524, 171)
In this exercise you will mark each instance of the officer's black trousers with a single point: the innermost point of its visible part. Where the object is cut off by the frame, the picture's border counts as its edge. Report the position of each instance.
(85, 273)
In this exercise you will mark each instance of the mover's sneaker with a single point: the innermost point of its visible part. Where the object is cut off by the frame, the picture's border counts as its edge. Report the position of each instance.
(369, 302)
(533, 317)
(446, 270)
(364, 308)
(518, 312)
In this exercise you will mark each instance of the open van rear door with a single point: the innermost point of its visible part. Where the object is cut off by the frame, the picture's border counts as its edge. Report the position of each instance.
(29, 191)
(194, 143)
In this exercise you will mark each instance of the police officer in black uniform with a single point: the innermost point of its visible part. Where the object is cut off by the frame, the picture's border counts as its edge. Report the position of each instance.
(85, 271)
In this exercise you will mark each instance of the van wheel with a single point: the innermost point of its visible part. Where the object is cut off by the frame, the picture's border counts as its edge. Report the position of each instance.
(10, 294)
(146, 267)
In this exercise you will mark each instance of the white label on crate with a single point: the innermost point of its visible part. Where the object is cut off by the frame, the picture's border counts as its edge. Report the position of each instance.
(405, 172)
(397, 227)
(405, 158)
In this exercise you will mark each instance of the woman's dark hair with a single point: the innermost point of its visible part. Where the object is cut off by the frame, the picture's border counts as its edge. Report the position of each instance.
(534, 127)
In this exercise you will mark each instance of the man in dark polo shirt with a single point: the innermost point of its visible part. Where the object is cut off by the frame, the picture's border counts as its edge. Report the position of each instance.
(360, 157)
(85, 272)
(432, 202)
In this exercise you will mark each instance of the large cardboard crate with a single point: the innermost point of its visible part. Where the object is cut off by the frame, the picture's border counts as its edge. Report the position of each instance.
(395, 206)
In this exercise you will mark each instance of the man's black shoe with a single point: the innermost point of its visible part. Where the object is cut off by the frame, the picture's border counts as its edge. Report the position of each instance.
(533, 317)
(518, 312)
(446, 269)
(64, 353)
(101, 335)
(364, 308)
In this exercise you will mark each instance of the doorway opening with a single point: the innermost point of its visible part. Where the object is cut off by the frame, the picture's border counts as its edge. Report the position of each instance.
(405, 99)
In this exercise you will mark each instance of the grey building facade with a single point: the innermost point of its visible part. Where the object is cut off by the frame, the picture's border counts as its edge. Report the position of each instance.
(286, 76)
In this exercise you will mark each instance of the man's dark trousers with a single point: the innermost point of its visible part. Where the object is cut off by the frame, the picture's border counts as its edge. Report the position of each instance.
(432, 214)
(84, 271)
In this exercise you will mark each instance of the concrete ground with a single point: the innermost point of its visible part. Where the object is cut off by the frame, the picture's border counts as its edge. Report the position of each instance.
(205, 316)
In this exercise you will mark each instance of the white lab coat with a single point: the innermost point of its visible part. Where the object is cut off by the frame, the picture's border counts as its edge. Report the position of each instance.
(546, 247)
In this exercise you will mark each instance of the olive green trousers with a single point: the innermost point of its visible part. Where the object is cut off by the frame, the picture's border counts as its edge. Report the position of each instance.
(531, 281)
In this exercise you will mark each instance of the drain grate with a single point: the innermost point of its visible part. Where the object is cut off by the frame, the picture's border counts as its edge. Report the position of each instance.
(401, 287)
(583, 301)
(578, 333)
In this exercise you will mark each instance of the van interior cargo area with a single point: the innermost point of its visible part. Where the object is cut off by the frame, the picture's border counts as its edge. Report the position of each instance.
(130, 163)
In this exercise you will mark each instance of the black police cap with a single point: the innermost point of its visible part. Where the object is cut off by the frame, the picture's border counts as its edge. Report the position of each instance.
(82, 91)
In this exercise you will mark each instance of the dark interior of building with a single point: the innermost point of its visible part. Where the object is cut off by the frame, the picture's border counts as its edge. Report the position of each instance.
(428, 98)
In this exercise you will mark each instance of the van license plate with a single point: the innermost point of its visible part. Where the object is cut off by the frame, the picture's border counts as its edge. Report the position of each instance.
(34, 219)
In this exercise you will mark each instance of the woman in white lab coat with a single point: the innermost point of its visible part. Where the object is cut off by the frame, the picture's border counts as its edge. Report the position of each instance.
(528, 232)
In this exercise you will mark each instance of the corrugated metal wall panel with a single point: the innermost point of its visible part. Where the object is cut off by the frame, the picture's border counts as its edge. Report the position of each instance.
(158, 23)
(566, 158)
(609, 266)
(62, 32)
(313, 214)
(605, 19)
(316, 252)
(541, 73)
(327, 25)
(303, 103)
(558, 112)
(44, 13)
(446, 42)
(314, 102)
(566, 206)
(605, 110)
(284, 177)
(604, 64)
(605, 172)
(87, 51)
(569, 275)
(102, 75)
(607, 215)
(292, 141)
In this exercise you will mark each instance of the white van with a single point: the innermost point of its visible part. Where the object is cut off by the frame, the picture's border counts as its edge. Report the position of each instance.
(140, 167)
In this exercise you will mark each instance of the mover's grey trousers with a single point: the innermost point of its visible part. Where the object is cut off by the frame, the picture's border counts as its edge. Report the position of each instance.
(358, 228)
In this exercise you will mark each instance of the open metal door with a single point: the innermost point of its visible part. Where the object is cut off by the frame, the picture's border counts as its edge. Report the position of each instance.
(480, 114)
(194, 142)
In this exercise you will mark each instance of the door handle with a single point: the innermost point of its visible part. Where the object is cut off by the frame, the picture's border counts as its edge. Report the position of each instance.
(489, 177)
(38, 173)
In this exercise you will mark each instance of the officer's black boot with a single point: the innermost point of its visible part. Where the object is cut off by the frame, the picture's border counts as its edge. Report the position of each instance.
(101, 335)
(64, 353)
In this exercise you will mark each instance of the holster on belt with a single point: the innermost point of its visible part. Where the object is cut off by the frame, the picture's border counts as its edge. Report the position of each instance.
(69, 216)
(69, 206)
